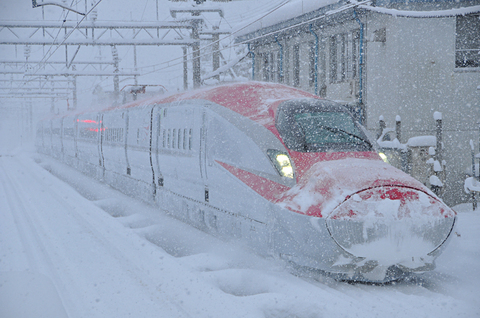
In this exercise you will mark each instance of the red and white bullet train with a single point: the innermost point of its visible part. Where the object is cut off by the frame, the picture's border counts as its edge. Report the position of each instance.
(291, 174)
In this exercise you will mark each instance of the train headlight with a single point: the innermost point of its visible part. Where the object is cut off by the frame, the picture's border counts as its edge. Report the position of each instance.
(383, 156)
(282, 162)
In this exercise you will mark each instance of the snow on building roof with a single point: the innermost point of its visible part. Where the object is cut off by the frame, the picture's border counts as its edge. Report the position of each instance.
(287, 10)
(424, 14)
(295, 12)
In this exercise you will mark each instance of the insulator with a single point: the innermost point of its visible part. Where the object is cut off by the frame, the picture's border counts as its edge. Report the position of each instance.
(27, 51)
(94, 15)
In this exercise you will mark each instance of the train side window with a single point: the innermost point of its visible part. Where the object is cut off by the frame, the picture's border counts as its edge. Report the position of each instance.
(174, 137)
(184, 139)
(159, 125)
(168, 139)
(164, 138)
(179, 138)
(190, 139)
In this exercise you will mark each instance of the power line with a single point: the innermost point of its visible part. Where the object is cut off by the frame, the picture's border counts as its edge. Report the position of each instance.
(212, 43)
(346, 7)
(71, 31)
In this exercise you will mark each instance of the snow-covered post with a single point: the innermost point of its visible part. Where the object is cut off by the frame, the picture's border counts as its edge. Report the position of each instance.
(185, 68)
(196, 54)
(474, 198)
(115, 77)
(216, 52)
(398, 127)
(382, 126)
(477, 155)
(438, 127)
(435, 183)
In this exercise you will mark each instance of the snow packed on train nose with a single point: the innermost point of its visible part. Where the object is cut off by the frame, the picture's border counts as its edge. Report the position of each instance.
(378, 216)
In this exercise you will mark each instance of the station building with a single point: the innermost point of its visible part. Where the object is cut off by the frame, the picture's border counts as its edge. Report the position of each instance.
(386, 57)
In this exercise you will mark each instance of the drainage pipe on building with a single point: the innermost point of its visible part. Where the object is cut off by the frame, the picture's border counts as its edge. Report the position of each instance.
(315, 76)
(253, 61)
(360, 68)
(280, 75)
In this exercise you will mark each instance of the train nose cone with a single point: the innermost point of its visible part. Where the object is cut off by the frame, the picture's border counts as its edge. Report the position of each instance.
(392, 226)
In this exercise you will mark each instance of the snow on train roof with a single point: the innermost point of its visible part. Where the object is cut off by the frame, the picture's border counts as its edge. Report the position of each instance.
(255, 100)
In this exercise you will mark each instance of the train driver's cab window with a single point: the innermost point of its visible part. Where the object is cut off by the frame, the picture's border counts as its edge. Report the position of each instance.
(319, 126)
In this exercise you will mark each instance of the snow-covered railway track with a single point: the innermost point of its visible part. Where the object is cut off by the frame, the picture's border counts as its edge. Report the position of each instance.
(68, 242)
(35, 255)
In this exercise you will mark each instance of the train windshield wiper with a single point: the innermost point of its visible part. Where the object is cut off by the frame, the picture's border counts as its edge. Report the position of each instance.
(337, 130)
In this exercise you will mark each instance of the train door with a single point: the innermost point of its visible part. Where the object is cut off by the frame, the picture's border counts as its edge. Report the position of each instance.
(75, 136)
(150, 150)
(100, 137)
(178, 150)
(125, 116)
(203, 152)
(62, 149)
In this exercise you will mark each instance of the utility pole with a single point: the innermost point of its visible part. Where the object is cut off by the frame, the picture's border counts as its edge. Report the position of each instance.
(196, 56)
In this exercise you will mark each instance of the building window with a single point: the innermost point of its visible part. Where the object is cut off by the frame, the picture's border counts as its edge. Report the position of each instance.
(296, 65)
(270, 67)
(279, 71)
(333, 59)
(467, 41)
(312, 58)
(353, 54)
(286, 75)
(344, 56)
(337, 58)
(265, 67)
(273, 69)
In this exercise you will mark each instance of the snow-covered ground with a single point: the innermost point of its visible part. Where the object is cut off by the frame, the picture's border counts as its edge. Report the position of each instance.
(71, 246)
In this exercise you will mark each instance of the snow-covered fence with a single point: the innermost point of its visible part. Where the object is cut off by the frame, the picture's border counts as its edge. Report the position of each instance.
(420, 156)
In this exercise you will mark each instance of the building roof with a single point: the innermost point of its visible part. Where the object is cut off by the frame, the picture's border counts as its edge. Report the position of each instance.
(297, 13)
(287, 14)
(424, 14)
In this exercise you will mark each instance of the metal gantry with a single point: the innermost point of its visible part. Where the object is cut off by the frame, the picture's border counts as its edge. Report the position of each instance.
(91, 33)
(72, 36)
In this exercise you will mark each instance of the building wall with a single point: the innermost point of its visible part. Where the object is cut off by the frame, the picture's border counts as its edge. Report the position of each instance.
(413, 74)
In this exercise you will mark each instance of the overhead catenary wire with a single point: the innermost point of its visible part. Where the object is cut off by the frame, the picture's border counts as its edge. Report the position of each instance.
(19, 86)
(343, 8)
(202, 48)
(230, 45)
(45, 58)
(214, 42)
